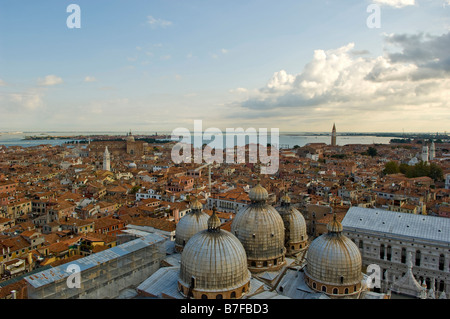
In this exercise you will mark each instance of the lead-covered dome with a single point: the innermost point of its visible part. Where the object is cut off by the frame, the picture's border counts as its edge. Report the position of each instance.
(130, 137)
(258, 193)
(295, 235)
(260, 229)
(190, 224)
(214, 265)
(334, 263)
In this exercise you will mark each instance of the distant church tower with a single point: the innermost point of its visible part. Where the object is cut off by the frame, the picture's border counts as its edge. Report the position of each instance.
(106, 160)
(432, 151)
(425, 153)
(333, 136)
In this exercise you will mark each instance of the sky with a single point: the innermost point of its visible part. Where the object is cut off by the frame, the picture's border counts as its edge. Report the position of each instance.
(154, 66)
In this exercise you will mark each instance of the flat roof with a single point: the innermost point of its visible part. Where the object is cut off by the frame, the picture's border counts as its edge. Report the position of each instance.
(60, 272)
(402, 224)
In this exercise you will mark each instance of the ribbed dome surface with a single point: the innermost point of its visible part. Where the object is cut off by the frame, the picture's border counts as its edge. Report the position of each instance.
(196, 205)
(189, 225)
(217, 261)
(294, 223)
(258, 193)
(334, 259)
(260, 229)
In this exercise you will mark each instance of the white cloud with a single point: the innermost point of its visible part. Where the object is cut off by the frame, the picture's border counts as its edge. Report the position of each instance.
(239, 90)
(336, 83)
(395, 3)
(2, 83)
(50, 80)
(90, 79)
(30, 99)
(155, 23)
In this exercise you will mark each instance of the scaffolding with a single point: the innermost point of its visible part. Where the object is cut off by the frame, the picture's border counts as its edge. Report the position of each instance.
(102, 275)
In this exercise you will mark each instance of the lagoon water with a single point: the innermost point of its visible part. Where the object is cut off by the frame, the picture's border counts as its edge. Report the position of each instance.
(287, 139)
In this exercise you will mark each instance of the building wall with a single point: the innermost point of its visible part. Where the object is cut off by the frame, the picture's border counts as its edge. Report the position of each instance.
(427, 266)
(225, 205)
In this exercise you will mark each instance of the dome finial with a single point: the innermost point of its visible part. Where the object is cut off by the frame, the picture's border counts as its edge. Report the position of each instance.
(214, 221)
(334, 226)
(258, 193)
(195, 204)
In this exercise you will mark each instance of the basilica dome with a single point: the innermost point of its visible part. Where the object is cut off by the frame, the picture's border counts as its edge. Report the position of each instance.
(190, 224)
(130, 137)
(214, 265)
(260, 229)
(296, 238)
(334, 263)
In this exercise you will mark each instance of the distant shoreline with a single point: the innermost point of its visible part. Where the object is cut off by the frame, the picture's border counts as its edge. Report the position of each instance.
(165, 136)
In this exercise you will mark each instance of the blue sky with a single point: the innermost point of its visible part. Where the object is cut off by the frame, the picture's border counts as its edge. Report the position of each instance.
(158, 65)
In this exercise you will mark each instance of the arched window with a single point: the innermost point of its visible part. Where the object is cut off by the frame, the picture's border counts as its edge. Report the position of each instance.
(335, 291)
(233, 295)
(253, 264)
(346, 291)
(389, 253)
(342, 279)
(314, 285)
(324, 288)
(219, 296)
(441, 285)
(361, 244)
(265, 264)
(403, 258)
(418, 257)
(204, 297)
(441, 262)
(382, 251)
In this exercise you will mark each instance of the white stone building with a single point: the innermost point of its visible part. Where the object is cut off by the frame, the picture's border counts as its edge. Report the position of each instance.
(386, 238)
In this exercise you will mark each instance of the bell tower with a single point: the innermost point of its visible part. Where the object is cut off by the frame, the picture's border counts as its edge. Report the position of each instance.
(333, 136)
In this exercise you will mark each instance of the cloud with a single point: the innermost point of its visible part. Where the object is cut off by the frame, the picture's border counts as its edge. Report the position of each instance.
(395, 3)
(239, 90)
(429, 53)
(2, 83)
(30, 99)
(90, 79)
(333, 82)
(158, 23)
(50, 80)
